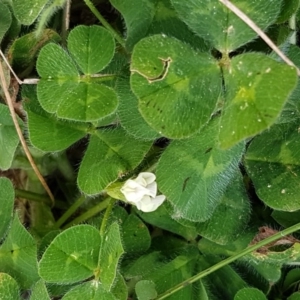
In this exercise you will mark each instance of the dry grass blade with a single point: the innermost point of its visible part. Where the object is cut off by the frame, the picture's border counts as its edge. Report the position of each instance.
(255, 28)
(9, 102)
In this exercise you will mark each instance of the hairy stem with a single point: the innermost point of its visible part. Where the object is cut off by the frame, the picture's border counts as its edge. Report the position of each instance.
(229, 260)
(88, 214)
(69, 212)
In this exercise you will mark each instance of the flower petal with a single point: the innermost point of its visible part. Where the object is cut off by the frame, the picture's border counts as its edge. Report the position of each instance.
(152, 187)
(151, 204)
(133, 191)
(147, 176)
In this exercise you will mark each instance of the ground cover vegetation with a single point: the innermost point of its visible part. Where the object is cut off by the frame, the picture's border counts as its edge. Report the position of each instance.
(149, 149)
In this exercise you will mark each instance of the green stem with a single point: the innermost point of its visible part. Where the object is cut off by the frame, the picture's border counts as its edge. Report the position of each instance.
(104, 22)
(69, 212)
(106, 215)
(31, 196)
(88, 214)
(229, 260)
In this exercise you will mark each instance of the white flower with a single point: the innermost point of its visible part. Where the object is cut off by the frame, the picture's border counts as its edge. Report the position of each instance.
(142, 192)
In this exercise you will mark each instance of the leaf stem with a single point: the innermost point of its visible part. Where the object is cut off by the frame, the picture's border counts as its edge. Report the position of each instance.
(229, 260)
(255, 28)
(69, 212)
(89, 213)
(106, 216)
(104, 22)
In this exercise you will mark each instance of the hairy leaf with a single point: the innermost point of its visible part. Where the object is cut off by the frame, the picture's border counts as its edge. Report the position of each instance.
(211, 20)
(195, 172)
(177, 87)
(256, 89)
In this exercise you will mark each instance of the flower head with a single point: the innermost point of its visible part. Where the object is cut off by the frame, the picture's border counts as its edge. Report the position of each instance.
(142, 191)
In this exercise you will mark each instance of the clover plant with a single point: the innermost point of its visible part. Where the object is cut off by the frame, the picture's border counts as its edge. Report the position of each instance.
(168, 134)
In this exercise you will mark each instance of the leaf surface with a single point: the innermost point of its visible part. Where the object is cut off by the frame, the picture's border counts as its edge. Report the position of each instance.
(195, 172)
(230, 217)
(250, 294)
(9, 289)
(211, 20)
(257, 88)
(39, 291)
(9, 139)
(7, 197)
(5, 19)
(46, 132)
(110, 154)
(91, 290)
(72, 256)
(137, 20)
(272, 162)
(18, 255)
(27, 11)
(110, 254)
(86, 45)
(177, 87)
(63, 90)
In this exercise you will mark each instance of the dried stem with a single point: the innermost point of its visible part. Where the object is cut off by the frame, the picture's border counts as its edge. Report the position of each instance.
(255, 28)
(9, 102)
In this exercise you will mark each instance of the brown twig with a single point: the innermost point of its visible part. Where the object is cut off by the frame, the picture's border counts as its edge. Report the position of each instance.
(10, 105)
(255, 28)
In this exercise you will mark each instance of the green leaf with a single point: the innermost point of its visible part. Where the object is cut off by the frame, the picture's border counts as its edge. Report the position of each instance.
(229, 219)
(256, 89)
(120, 289)
(161, 218)
(145, 290)
(39, 291)
(72, 256)
(86, 45)
(9, 289)
(18, 255)
(225, 281)
(91, 290)
(174, 272)
(110, 154)
(272, 163)
(291, 110)
(269, 269)
(5, 19)
(250, 294)
(23, 50)
(9, 139)
(144, 265)
(195, 172)
(289, 7)
(294, 296)
(291, 279)
(167, 21)
(135, 235)
(27, 11)
(211, 20)
(46, 132)
(130, 117)
(7, 197)
(110, 253)
(137, 20)
(177, 87)
(286, 218)
(62, 90)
